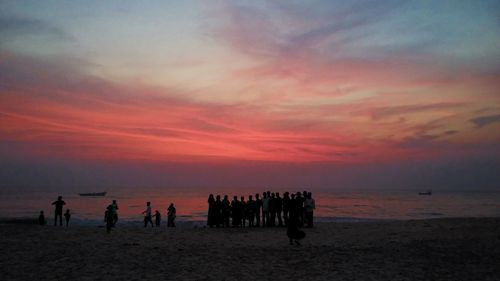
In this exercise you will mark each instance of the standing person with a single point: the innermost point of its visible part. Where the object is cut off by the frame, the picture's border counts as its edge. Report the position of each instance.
(147, 214)
(293, 208)
(286, 206)
(59, 210)
(108, 218)
(172, 213)
(304, 219)
(157, 216)
(211, 210)
(226, 211)
(309, 206)
(279, 208)
(300, 209)
(67, 216)
(41, 218)
(115, 212)
(257, 207)
(265, 209)
(236, 212)
(272, 210)
(243, 210)
(218, 211)
(251, 211)
(293, 232)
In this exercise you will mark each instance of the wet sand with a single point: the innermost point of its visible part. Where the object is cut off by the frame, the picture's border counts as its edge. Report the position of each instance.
(440, 249)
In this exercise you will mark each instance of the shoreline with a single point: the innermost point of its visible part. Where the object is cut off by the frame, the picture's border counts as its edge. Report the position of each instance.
(197, 222)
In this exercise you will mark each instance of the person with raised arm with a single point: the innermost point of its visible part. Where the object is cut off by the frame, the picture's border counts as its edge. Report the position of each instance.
(59, 203)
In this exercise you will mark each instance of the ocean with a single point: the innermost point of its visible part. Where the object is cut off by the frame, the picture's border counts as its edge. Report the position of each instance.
(331, 205)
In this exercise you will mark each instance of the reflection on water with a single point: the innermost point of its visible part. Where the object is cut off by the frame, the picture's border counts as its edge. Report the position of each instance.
(192, 204)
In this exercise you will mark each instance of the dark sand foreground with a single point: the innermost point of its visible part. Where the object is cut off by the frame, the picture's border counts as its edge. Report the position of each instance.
(441, 249)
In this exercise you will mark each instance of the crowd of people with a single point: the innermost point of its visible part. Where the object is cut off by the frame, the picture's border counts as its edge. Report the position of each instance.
(267, 211)
(293, 210)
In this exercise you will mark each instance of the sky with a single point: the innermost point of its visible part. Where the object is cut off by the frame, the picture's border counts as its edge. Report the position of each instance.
(325, 94)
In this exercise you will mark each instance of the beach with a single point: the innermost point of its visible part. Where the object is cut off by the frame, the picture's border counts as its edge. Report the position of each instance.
(434, 249)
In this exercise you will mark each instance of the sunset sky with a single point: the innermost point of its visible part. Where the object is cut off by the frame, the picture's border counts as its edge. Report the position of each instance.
(402, 94)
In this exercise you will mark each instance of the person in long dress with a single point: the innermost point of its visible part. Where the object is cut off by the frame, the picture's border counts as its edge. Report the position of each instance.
(211, 211)
(171, 215)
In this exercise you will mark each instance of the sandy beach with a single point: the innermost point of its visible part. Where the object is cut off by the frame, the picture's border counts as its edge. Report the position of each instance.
(440, 249)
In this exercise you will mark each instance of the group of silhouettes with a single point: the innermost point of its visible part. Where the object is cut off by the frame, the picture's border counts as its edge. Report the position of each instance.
(148, 216)
(271, 210)
(110, 215)
(59, 203)
(292, 211)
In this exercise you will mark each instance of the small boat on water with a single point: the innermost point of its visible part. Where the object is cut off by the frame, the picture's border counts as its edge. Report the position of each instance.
(93, 194)
(428, 192)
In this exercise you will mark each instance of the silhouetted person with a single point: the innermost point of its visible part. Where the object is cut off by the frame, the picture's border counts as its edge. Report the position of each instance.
(226, 211)
(41, 218)
(243, 211)
(300, 209)
(147, 215)
(172, 213)
(257, 207)
(293, 208)
(59, 210)
(108, 218)
(293, 232)
(309, 206)
(250, 211)
(218, 211)
(157, 216)
(304, 196)
(211, 211)
(236, 212)
(279, 208)
(272, 210)
(286, 207)
(115, 212)
(265, 209)
(67, 216)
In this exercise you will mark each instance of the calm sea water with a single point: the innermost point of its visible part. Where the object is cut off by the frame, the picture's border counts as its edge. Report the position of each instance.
(334, 205)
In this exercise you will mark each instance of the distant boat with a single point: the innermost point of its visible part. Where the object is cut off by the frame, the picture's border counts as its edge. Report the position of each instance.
(93, 194)
(428, 192)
